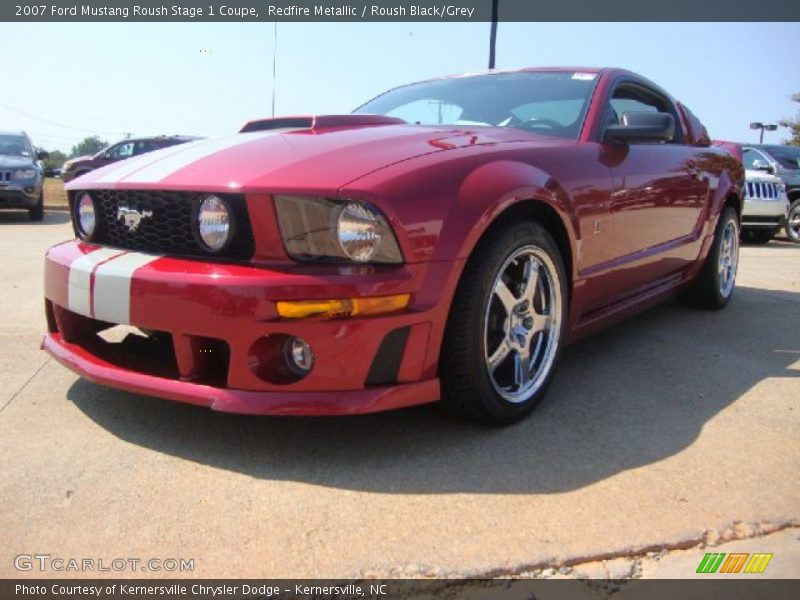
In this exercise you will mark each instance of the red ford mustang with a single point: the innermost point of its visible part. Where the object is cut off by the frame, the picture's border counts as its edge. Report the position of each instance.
(443, 242)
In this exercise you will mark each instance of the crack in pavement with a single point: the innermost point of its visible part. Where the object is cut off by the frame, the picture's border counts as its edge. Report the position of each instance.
(733, 531)
(24, 385)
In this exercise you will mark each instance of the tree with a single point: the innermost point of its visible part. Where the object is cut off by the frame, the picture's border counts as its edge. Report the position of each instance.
(793, 125)
(55, 160)
(89, 145)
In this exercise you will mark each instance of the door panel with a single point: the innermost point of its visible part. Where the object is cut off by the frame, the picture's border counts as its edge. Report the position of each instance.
(658, 197)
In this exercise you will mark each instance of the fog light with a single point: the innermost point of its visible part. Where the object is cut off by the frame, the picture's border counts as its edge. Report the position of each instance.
(299, 356)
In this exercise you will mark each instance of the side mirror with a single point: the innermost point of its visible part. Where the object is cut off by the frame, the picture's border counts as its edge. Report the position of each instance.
(760, 165)
(641, 127)
(42, 155)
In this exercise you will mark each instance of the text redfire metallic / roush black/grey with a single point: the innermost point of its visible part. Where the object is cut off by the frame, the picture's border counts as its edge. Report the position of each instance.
(443, 242)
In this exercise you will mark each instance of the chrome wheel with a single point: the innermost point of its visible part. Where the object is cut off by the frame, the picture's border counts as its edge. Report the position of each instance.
(728, 258)
(522, 324)
(793, 223)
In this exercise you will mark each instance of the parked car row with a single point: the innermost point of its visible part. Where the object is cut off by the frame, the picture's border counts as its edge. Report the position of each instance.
(129, 148)
(22, 172)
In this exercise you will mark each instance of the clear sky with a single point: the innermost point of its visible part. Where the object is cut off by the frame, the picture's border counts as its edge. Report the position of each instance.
(208, 79)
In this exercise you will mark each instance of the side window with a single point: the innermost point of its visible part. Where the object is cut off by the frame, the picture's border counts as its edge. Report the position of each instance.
(121, 151)
(142, 147)
(635, 98)
(750, 156)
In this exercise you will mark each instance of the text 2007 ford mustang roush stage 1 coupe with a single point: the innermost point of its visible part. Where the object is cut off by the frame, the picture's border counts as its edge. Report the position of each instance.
(444, 241)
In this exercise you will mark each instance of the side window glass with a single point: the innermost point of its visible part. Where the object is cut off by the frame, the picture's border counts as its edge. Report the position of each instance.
(630, 98)
(142, 147)
(121, 151)
(750, 156)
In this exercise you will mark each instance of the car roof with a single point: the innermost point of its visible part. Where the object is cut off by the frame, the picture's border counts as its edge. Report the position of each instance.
(768, 146)
(592, 70)
(184, 138)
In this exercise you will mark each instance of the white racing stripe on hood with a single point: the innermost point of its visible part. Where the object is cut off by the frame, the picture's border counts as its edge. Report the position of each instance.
(166, 165)
(125, 167)
(112, 286)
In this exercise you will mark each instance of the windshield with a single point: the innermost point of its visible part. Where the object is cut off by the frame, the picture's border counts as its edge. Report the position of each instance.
(552, 103)
(14, 145)
(787, 156)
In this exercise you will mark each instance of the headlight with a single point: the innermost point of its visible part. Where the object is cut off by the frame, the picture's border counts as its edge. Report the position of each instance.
(214, 223)
(318, 228)
(25, 174)
(85, 216)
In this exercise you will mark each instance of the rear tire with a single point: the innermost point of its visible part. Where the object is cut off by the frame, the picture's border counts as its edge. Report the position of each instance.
(506, 325)
(793, 222)
(714, 285)
(37, 212)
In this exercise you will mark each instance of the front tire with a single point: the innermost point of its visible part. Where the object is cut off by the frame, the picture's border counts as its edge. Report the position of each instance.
(714, 285)
(793, 222)
(37, 212)
(506, 326)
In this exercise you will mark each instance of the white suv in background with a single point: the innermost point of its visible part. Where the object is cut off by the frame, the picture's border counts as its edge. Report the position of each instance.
(765, 206)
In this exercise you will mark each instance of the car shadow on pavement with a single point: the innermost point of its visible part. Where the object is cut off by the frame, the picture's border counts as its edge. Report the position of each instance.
(20, 217)
(631, 395)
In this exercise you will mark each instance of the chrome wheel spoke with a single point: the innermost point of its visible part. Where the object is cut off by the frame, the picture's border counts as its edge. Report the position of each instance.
(522, 369)
(507, 299)
(500, 354)
(530, 280)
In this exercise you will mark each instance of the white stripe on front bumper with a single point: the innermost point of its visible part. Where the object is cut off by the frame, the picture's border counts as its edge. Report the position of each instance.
(80, 279)
(112, 286)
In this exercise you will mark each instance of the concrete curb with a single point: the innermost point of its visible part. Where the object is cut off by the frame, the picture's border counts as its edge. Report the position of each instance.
(57, 208)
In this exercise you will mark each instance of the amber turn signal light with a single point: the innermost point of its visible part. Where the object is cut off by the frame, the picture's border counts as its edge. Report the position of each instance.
(348, 307)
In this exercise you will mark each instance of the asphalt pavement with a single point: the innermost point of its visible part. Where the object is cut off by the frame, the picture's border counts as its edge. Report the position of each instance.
(673, 432)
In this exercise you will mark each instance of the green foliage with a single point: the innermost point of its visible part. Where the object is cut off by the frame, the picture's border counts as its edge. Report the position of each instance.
(55, 160)
(793, 125)
(89, 145)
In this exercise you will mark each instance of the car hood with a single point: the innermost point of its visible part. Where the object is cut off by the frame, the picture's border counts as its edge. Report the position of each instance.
(14, 162)
(326, 154)
(754, 175)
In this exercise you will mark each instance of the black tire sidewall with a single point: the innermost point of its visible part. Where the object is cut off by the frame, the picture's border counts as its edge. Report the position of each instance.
(494, 255)
(795, 205)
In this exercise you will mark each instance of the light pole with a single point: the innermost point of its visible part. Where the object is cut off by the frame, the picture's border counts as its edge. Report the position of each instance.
(762, 127)
(493, 34)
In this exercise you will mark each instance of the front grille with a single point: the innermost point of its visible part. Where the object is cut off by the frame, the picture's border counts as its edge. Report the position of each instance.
(168, 226)
(762, 190)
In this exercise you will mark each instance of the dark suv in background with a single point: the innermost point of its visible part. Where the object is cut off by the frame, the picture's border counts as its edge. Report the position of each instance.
(21, 174)
(76, 167)
(783, 161)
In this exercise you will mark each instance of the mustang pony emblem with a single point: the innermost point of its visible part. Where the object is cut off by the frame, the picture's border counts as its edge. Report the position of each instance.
(131, 217)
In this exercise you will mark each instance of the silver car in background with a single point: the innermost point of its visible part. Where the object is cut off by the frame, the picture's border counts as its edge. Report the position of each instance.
(782, 162)
(21, 174)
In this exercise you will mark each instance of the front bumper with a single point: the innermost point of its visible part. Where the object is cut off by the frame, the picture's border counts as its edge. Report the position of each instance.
(19, 196)
(216, 322)
(764, 213)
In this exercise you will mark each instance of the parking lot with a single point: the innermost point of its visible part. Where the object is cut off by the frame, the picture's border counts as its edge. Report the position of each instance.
(676, 428)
